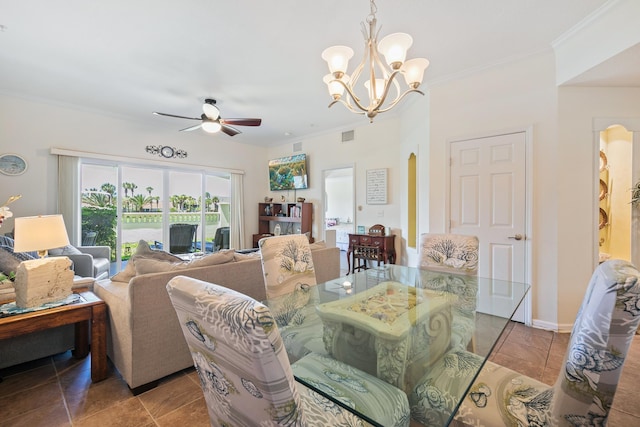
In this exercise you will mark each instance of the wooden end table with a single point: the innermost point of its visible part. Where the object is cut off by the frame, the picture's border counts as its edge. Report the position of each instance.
(90, 309)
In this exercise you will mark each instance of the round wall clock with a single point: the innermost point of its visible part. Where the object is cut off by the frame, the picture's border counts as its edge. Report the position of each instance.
(12, 164)
(167, 151)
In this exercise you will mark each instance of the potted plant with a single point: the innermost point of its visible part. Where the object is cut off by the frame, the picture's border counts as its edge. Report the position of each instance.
(215, 201)
(635, 194)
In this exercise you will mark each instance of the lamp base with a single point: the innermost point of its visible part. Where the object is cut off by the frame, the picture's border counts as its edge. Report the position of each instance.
(44, 280)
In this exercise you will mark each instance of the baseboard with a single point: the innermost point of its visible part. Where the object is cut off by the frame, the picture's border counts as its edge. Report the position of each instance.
(548, 326)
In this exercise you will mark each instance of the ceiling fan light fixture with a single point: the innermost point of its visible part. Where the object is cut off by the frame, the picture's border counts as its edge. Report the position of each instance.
(211, 126)
(384, 90)
(211, 111)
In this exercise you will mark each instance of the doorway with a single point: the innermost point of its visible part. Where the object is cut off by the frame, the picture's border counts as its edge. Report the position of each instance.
(338, 208)
(489, 198)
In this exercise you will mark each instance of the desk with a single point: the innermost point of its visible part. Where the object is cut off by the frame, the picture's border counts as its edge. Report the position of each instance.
(445, 298)
(368, 247)
(88, 310)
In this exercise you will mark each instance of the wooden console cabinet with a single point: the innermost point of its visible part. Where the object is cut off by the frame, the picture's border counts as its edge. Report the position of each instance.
(294, 218)
(367, 247)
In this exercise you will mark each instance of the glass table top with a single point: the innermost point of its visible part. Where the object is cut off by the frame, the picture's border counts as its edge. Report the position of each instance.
(427, 314)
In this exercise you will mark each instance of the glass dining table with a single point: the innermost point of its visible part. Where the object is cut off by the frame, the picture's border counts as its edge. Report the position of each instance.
(398, 323)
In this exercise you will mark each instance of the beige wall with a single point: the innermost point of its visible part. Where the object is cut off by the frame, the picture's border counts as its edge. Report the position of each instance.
(30, 128)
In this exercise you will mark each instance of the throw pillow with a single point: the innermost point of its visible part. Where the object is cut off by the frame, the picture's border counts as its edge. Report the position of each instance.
(149, 265)
(10, 260)
(65, 250)
(142, 251)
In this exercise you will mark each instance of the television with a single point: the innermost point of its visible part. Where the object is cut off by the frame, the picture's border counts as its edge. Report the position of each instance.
(288, 173)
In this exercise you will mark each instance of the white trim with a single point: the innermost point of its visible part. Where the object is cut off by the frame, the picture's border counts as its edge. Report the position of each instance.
(140, 161)
(549, 326)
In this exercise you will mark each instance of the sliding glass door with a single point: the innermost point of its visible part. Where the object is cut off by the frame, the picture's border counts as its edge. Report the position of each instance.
(172, 210)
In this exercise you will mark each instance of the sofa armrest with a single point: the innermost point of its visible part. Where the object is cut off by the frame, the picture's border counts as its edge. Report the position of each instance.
(96, 251)
(82, 264)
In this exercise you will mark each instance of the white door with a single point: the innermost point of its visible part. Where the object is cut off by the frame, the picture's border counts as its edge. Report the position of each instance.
(488, 200)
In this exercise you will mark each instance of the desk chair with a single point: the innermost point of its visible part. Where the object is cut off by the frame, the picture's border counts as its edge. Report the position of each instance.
(584, 391)
(246, 377)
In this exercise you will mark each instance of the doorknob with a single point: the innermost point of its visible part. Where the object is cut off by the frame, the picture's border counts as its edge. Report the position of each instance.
(517, 237)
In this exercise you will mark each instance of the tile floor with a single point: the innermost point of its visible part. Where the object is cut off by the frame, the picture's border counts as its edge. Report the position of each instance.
(57, 391)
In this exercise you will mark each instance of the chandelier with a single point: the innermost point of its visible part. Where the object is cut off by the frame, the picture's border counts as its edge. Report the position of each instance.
(381, 76)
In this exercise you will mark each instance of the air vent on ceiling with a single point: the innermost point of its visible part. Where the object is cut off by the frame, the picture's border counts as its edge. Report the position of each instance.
(297, 146)
(348, 136)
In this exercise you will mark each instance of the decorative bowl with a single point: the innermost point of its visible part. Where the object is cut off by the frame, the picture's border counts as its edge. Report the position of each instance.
(268, 199)
(300, 199)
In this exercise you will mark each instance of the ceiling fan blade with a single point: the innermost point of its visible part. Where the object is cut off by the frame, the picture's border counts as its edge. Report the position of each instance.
(178, 117)
(229, 130)
(190, 128)
(242, 122)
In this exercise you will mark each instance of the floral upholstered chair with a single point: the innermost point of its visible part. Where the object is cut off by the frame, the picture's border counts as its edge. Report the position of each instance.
(584, 390)
(290, 281)
(455, 253)
(246, 377)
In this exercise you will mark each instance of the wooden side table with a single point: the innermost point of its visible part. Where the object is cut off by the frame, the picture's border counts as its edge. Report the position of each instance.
(89, 310)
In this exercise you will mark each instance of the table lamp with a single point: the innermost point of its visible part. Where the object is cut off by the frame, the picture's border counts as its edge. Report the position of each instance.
(45, 279)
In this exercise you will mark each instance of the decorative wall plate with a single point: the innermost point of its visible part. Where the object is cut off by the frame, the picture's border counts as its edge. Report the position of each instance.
(603, 161)
(604, 219)
(12, 164)
(604, 190)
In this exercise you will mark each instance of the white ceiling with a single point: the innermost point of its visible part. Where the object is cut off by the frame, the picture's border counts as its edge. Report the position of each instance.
(127, 58)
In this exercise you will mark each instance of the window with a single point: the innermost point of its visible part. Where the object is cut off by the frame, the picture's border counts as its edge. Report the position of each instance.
(149, 201)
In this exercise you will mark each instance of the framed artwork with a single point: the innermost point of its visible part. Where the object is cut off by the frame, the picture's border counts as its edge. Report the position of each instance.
(12, 164)
(377, 187)
(361, 229)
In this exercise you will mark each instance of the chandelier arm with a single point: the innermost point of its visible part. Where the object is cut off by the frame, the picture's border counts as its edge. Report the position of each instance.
(386, 92)
(347, 105)
(395, 101)
(353, 96)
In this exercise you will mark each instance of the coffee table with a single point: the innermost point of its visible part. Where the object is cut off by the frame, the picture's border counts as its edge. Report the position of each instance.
(88, 310)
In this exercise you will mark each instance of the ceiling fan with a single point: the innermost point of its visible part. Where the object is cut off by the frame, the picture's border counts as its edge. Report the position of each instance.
(212, 122)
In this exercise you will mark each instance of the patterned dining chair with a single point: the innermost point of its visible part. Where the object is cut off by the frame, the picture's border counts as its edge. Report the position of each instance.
(585, 388)
(455, 253)
(290, 284)
(245, 375)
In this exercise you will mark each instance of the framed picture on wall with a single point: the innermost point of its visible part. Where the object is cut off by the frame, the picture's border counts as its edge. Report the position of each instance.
(361, 229)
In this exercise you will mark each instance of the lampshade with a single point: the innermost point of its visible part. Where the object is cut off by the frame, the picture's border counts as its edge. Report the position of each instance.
(337, 58)
(380, 84)
(394, 48)
(39, 233)
(211, 127)
(413, 71)
(335, 88)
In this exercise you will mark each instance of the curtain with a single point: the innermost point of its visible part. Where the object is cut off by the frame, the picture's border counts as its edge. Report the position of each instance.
(236, 224)
(69, 196)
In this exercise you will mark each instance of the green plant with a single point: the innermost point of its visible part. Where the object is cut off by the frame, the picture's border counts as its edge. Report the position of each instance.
(102, 220)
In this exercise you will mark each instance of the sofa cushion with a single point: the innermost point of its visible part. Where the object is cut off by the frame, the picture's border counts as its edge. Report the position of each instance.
(9, 260)
(150, 265)
(65, 250)
(142, 251)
